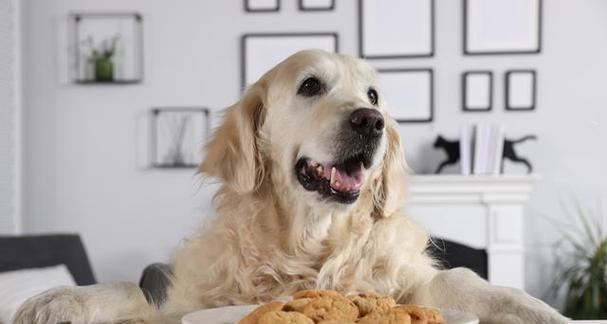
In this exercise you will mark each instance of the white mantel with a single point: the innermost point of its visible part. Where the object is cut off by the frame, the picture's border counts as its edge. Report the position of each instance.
(480, 211)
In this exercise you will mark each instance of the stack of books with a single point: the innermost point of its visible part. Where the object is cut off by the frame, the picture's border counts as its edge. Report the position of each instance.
(481, 148)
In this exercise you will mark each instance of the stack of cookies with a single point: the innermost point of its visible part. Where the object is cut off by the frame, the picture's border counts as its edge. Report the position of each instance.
(330, 307)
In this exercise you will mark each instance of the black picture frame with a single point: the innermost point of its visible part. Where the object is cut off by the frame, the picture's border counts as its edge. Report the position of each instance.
(465, 30)
(465, 91)
(154, 133)
(431, 91)
(245, 37)
(75, 18)
(247, 8)
(361, 37)
(507, 91)
(302, 7)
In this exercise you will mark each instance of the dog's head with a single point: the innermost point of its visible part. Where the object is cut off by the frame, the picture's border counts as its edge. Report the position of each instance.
(315, 125)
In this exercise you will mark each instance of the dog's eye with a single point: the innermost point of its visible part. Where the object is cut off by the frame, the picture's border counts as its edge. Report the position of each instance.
(310, 87)
(372, 94)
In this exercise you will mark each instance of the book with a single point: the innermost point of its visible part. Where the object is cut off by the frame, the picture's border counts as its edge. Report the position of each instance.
(466, 145)
(499, 150)
(481, 146)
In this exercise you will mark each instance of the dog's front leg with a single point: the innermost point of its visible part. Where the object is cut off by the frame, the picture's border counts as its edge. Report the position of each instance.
(104, 303)
(462, 289)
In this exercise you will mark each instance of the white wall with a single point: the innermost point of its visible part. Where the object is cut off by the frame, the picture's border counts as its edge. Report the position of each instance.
(80, 167)
(9, 114)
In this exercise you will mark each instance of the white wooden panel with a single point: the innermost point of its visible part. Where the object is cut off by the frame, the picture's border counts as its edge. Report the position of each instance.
(463, 223)
(507, 268)
(506, 224)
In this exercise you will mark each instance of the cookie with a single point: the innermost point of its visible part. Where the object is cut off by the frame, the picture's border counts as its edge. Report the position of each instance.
(280, 317)
(254, 316)
(422, 315)
(331, 308)
(296, 305)
(369, 302)
(391, 316)
(314, 293)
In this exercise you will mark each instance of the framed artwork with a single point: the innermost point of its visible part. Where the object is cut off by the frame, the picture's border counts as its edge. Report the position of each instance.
(521, 90)
(502, 26)
(409, 94)
(177, 136)
(396, 28)
(261, 52)
(261, 5)
(477, 91)
(316, 5)
(107, 47)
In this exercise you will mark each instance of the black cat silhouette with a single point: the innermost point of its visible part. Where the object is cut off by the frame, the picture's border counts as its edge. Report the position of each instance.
(452, 150)
(510, 153)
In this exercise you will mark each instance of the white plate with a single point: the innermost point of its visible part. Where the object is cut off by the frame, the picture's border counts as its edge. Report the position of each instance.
(233, 314)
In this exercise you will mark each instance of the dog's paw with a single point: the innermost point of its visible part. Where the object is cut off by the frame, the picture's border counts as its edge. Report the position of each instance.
(58, 305)
(522, 308)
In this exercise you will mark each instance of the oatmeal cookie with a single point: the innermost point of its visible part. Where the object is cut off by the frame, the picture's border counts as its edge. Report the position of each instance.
(254, 316)
(331, 308)
(422, 315)
(391, 316)
(314, 293)
(296, 305)
(370, 302)
(280, 317)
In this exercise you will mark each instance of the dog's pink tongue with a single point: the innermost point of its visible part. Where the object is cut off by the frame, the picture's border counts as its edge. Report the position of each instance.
(342, 181)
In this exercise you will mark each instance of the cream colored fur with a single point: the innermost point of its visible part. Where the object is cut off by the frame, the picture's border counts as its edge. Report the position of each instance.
(272, 237)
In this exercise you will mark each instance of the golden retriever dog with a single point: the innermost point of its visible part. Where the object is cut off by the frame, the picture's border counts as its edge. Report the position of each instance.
(313, 182)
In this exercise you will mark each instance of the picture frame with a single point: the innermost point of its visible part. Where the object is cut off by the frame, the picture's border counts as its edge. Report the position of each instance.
(520, 90)
(262, 51)
(487, 27)
(107, 47)
(260, 6)
(316, 5)
(177, 135)
(409, 93)
(477, 91)
(410, 21)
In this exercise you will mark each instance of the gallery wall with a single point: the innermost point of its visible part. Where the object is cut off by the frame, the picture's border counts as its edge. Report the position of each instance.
(80, 163)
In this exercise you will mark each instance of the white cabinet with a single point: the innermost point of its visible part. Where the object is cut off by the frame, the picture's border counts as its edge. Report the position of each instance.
(483, 212)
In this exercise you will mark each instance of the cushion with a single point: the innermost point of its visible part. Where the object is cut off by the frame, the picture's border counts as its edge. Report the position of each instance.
(38, 251)
(17, 286)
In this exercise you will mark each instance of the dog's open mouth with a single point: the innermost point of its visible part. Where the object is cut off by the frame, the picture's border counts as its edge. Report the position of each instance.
(339, 181)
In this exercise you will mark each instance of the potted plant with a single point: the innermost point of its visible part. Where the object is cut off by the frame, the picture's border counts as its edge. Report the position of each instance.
(101, 58)
(581, 264)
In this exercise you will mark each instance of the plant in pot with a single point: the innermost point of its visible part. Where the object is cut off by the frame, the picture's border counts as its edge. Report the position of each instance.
(581, 264)
(101, 58)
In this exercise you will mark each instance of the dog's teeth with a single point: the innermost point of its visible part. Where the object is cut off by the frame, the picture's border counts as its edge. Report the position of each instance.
(332, 180)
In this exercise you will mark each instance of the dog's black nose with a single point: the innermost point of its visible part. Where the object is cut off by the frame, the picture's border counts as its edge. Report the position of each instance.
(368, 122)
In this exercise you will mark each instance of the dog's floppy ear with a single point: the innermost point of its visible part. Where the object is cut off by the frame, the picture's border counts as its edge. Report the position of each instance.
(232, 155)
(390, 191)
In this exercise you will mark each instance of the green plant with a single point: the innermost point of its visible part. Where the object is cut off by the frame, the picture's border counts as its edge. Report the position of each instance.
(581, 265)
(101, 57)
(105, 50)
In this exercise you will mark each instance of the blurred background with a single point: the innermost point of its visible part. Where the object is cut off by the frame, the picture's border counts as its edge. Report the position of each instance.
(105, 104)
